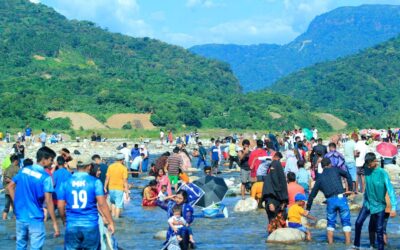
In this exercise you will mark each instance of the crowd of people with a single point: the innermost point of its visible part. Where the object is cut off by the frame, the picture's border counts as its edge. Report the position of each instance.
(272, 170)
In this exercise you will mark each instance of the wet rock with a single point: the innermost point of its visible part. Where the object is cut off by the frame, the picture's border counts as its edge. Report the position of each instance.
(354, 207)
(193, 178)
(160, 235)
(246, 205)
(357, 199)
(321, 224)
(148, 178)
(229, 182)
(286, 235)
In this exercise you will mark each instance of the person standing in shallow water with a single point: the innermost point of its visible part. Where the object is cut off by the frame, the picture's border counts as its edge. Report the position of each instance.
(275, 193)
(377, 185)
(329, 182)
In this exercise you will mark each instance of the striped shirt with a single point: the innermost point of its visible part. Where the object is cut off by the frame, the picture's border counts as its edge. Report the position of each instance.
(174, 163)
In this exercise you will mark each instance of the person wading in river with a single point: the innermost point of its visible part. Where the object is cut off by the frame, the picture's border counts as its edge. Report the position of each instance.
(330, 184)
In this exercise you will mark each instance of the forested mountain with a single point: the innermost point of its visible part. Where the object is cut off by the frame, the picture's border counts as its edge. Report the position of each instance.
(362, 88)
(51, 63)
(343, 31)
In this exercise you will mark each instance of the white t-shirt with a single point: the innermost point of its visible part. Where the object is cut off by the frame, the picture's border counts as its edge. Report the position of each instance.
(175, 219)
(254, 137)
(126, 152)
(301, 135)
(161, 134)
(315, 133)
(136, 162)
(161, 196)
(362, 148)
(384, 134)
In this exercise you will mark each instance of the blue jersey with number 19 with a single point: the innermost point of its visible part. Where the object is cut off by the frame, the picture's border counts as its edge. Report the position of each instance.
(79, 193)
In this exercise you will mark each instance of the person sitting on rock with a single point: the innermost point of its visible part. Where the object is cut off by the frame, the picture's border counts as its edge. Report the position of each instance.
(296, 211)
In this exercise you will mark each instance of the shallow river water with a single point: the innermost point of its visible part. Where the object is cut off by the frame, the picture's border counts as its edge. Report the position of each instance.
(136, 228)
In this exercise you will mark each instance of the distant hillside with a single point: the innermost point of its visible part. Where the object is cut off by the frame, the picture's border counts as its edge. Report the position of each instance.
(343, 31)
(49, 63)
(361, 89)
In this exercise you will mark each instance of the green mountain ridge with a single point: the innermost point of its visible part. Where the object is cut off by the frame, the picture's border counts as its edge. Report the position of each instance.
(49, 63)
(338, 33)
(361, 89)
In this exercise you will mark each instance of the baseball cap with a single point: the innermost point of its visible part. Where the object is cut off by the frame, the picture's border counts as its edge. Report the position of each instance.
(300, 197)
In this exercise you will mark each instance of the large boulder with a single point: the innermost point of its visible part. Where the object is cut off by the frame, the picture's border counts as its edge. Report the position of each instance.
(246, 205)
(321, 224)
(286, 235)
(160, 235)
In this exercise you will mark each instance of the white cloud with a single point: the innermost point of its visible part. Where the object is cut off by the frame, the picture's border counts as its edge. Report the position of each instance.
(34, 1)
(254, 31)
(118, 15)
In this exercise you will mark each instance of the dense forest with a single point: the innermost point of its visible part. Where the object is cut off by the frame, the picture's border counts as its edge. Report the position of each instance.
(51, 63)
(340, 32)
(362, 89)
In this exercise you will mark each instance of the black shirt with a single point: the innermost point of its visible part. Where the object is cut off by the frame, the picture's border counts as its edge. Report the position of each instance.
(330, 184)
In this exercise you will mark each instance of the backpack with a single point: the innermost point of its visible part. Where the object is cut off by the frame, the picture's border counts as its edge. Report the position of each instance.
(337, 160)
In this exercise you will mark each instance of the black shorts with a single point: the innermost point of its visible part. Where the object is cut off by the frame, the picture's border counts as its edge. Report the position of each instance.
(360, 171)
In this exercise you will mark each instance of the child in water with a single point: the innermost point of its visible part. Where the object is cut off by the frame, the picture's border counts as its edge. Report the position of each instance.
(295, 213)
(178, 224)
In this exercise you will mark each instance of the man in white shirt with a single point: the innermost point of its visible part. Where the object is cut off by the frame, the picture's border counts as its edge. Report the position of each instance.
(161, 136)
(360, 150)
(315, 132)
(126, 152)
(384, 135)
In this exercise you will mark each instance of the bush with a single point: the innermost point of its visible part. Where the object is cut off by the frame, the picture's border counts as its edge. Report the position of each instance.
(127, 126)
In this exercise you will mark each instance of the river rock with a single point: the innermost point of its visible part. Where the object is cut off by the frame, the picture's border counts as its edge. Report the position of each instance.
(321, 224)
(286, 235)
(148, 178)
(393, 170)
(246, 205)
(357, 199)
(355, 207)
(193, 178)
(230, 183)
(160, 235)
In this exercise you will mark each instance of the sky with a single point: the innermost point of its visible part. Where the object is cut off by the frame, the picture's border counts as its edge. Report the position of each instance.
(192, 22)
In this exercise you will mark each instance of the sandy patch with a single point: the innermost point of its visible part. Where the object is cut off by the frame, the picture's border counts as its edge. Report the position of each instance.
(335, 122)
(139, 121)
(78, 119)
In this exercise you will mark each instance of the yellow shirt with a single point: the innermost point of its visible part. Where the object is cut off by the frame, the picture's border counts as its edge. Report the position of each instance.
(295, 213)
(256, 190)
(117, 174)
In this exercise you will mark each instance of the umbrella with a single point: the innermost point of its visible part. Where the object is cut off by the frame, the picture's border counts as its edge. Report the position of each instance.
(194, 192)
(386, 149)
(308, 134)
(214, 189)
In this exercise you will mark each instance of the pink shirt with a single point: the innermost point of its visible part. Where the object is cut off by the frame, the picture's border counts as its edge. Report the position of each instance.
(164, 180)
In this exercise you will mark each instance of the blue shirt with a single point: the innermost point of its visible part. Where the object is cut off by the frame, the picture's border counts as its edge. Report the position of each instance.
(214, 153)
(32, 183)
(303, 176)
(79, 193)
(28, 132)
(42, 137)
(134, 153)
(59, 177)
